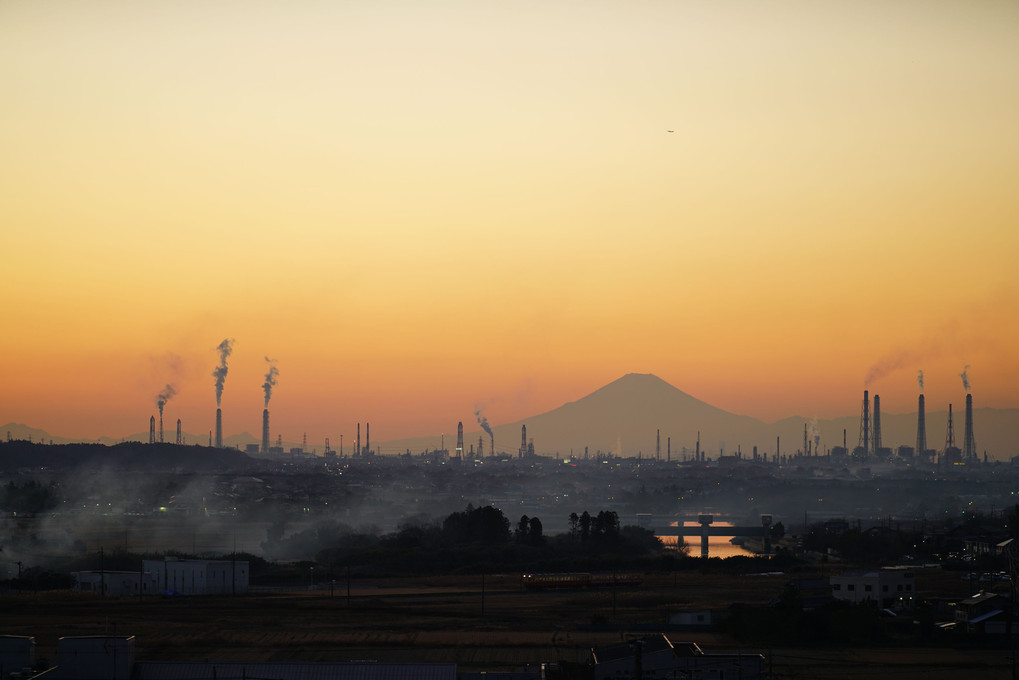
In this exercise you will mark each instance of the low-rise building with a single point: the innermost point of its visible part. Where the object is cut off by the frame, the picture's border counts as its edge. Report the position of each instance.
(985, 613)
(887, 587)
(655, 656)
(198, 577)
(115, 583)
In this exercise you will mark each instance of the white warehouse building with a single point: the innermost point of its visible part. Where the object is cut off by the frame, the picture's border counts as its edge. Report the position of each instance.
(884, 586)
(198, 577)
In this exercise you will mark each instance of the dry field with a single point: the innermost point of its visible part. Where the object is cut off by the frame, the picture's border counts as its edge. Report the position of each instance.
(452, 619)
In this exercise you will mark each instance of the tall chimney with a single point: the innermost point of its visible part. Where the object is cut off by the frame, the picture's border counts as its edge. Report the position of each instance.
(921, 429)
(460, 439)
(697, 451)
(523, 441)
(152, 429)
(950, 435)
(658, 444)
(367, 438)
(865, 424)
(668, 449)
(357, 451)
(180, 435)
(160, 426)
(969, 442)
(219, 428)
(804, 439)
(877, 423)
(265, 431)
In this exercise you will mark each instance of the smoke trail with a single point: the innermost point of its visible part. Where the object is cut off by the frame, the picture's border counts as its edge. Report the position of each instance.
(483, 421)
(270, 380)
(919, 379)
(889, 363)
(219, 373)
(164, 397)
(965, 377)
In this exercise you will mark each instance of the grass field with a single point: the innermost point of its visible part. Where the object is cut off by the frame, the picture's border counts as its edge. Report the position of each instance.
(452, 619)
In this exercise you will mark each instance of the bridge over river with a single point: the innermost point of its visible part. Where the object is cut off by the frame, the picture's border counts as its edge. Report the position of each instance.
(706, 527)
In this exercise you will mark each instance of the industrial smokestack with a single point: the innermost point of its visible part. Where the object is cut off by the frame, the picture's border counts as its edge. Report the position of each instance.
(367, 438)
(805, 439)
(865, 424)
(950, 435)
(219, 428)
(877, 423)
(161, 399)
(523, 441)
(969, 442)
(265, 432)
(152, 429)
(921, 426)
(492, 437)
(180, 436)
(460, 439)
(357, 451)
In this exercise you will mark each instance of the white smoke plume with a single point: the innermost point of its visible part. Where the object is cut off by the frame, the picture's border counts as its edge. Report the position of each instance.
(219, 373)
(270, 380)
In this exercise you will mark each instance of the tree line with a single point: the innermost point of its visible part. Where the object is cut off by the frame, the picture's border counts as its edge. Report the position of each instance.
(473, 539)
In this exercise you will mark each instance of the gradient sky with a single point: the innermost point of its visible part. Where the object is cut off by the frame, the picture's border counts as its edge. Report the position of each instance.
(419, 207)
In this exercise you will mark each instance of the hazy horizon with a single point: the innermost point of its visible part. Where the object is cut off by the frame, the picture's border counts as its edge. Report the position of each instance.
(420, 211)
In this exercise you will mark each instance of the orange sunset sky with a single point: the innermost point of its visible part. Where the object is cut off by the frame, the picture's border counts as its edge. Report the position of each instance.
(419, 207)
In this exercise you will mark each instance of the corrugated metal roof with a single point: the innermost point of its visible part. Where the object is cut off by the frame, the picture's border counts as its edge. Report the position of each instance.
(232, 670)
(988, 615)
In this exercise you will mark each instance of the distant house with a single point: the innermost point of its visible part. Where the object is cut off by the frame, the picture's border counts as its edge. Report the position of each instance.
(887, 587)
(984, 613)
(655, 656)
(198, 577)
(700, 619)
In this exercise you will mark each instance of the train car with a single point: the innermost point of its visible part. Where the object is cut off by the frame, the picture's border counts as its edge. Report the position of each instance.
(581, 580)
(612, 579)
(567, 580)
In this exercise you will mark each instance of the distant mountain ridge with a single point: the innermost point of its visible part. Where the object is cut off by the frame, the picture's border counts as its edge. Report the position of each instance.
(624, 416)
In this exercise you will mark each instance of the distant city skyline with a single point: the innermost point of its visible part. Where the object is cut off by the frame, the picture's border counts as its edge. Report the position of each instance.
(419, 211)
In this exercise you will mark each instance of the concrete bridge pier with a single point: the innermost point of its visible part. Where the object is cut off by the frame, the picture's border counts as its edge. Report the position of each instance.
(705, 522)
